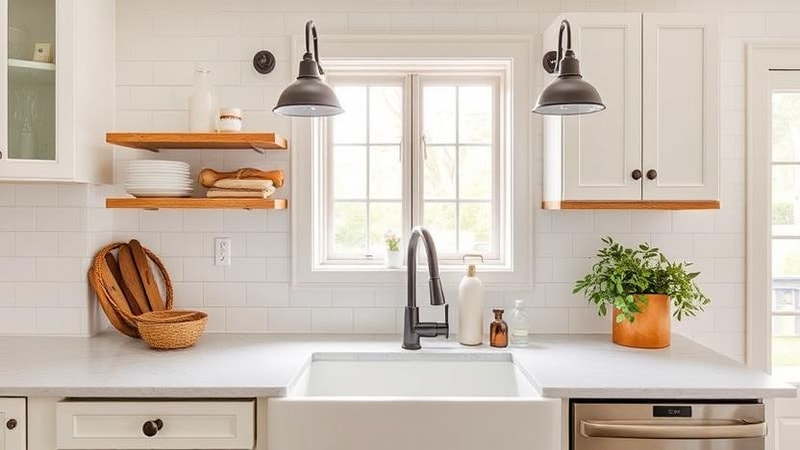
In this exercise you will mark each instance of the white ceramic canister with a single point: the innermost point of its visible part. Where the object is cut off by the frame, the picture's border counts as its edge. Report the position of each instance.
(470, 309)
(230, 120)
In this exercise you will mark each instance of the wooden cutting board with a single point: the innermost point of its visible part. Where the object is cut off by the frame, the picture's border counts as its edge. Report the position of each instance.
(131, 281)
(115, 270)
(113, 288)
(143, 266)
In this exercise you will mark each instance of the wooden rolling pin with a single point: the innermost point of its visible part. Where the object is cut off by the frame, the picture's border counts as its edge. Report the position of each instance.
(208, 176)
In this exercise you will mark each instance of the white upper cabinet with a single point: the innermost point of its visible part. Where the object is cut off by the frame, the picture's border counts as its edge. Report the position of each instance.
(12, 424)
(57, 66)
(657, 140)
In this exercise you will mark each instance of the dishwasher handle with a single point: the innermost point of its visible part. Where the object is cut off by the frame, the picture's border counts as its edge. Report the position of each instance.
(616, 429)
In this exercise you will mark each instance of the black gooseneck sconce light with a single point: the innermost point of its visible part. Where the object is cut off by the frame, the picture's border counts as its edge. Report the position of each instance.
(569, 94)
(309, 96)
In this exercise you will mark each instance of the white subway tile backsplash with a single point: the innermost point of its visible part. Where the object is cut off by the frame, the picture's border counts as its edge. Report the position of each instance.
(134, 73)
(6, 243)
(28, 295)
(181, 244)
(72, 244)
(17, 269)
(223, 294)
(159, 44)
(60, 269)
(18, 321)
(289, 320)
(548, 320)
(36, 244)
(7, 291)
(374, 320)
(311, 297)
(586, 320)
(202, 220)
(188, 294)
(354, 298)
(279, 270)
(202, 269)
(246, 320)
(161, 220)
(244, 221)
(332, 320)
(217, 319)
(247, 269)
(58, 219)
(60, 321)
(36, 195)
(267, 294)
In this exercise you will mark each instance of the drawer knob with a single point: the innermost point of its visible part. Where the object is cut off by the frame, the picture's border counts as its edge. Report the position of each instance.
(151, 427)
(652, 174)
(11, 424)
(636, 174)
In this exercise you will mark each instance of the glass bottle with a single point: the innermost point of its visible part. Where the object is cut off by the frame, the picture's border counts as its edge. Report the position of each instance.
(519, 324)
(498, 330)
(202, 117)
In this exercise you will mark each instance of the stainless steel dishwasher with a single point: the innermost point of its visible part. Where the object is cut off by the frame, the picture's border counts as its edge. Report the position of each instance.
(667, 425)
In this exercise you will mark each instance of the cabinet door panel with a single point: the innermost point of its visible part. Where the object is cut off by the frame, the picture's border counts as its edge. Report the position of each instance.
(601, 150)
(681, 107)
(12, 409)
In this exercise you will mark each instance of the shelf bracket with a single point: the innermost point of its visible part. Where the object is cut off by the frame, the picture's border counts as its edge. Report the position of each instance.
(258, 149)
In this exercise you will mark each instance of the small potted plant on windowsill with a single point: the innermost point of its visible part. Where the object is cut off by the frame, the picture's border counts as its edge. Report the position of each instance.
(641, 285)
(394, 258)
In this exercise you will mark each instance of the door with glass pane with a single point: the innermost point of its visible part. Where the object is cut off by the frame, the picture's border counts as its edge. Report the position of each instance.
(28, 93)
(785, 219)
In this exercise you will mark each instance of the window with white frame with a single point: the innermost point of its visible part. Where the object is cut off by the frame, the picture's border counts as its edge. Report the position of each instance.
(419, 144)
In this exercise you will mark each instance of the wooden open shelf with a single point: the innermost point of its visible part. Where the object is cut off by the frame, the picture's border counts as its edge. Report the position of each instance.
(670, 205)
(196, 203)
(194, 141)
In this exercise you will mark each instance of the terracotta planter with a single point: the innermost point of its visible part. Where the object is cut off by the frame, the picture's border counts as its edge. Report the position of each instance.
(650, 328)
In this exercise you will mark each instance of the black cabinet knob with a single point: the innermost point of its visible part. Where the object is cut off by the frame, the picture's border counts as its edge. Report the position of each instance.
(11, 424)
(636, 174)
(151, 427)
(652, 174)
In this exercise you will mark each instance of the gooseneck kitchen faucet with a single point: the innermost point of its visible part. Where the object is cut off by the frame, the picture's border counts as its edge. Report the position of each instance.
(413, 329)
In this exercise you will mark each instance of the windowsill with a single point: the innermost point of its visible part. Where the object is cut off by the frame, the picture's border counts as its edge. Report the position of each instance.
(354, 276)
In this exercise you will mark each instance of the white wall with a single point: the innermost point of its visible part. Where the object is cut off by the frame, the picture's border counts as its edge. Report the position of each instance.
(160, 42)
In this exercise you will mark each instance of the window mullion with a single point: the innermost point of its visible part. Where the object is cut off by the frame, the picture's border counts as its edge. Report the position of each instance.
(368, 196)
(416, 162)
(458, 174)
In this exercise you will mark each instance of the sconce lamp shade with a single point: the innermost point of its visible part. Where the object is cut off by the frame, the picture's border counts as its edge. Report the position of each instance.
(569, 94)
(309, 95)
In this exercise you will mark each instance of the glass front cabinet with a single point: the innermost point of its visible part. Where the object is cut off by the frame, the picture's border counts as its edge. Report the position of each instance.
(56, 89)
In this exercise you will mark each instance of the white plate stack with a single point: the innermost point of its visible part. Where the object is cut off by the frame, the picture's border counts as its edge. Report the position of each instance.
(154, 178)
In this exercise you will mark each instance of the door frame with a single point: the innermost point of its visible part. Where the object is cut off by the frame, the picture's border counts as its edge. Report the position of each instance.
(761, 59)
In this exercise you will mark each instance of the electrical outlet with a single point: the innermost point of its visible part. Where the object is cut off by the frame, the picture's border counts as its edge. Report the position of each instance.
(222, 251)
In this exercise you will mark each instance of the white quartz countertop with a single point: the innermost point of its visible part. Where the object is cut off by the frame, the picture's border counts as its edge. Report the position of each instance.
(249, 365)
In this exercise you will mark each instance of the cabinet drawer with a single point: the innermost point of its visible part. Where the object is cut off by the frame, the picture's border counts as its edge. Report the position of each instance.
(172, 424)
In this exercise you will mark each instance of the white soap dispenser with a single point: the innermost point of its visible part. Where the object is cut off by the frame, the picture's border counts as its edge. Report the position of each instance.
(470, 308)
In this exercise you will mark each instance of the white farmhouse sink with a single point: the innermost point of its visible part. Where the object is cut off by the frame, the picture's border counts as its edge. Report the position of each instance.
(413, 401)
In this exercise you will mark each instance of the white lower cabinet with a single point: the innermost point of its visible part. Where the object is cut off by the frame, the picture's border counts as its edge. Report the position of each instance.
(130, 424)
(12, 424)
(787, 424)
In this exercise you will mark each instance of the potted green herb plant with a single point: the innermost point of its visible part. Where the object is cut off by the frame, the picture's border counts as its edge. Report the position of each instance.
(641, 285)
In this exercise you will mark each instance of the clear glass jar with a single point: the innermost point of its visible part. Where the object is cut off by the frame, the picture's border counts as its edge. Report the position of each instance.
(519, 327)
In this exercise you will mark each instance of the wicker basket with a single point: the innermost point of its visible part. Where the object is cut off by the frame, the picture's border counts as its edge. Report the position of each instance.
(171, 329)
(119, 318)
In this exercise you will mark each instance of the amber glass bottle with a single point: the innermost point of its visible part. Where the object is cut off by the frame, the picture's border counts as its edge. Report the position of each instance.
(498, 330)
